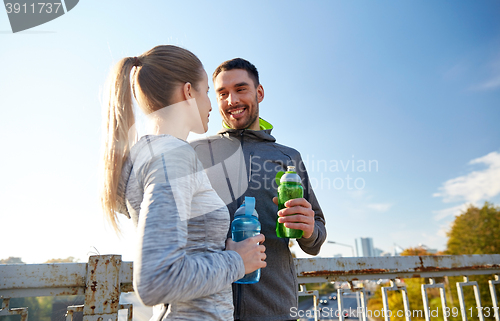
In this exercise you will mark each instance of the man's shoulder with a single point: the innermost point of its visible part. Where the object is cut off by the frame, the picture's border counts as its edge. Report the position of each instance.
(204, 141)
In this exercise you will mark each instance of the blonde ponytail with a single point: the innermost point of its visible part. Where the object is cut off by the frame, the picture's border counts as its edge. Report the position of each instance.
(118, 118)
(159, 72)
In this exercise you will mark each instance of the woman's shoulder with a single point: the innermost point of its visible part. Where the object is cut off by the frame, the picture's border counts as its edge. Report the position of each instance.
(154, 146)
(161, 143)
(164, 152)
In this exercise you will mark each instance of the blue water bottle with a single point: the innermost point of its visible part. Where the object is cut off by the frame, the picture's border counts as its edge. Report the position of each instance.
(246, 224)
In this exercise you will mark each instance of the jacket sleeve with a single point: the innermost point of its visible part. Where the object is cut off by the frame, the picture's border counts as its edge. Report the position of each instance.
(163, 271)
(312, 245)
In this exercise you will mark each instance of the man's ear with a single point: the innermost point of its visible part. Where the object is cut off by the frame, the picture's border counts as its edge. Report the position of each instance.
(260, 93)
(187, 91)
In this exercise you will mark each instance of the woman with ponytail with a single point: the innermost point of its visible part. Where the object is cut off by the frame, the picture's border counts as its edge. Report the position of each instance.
(183, 262)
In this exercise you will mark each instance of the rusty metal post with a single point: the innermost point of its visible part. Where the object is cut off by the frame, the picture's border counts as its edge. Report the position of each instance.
(129, 308)
(6, 310)
(102, 291)
(425, 299)
(72, 309)
(314, 293)
(463, 308)
(406, 302)
(362, 303)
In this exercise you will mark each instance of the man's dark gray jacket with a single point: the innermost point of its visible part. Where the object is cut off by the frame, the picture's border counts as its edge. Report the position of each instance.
(242, 162)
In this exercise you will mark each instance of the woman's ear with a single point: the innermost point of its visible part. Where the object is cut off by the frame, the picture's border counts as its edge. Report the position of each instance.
(187, 91)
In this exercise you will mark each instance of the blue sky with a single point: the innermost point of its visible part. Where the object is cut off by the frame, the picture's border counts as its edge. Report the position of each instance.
(413, 86)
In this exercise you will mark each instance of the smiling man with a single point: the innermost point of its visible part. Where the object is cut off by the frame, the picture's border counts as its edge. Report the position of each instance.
(242, 160)
(238, 98)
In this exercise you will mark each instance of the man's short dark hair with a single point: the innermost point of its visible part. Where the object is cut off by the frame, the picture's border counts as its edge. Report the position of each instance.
(238, 63)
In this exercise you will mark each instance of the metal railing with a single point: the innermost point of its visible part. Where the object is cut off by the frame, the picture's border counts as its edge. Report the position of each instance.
(105, 277)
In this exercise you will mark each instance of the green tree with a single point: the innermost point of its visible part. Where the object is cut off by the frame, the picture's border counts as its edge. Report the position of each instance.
(11, 260)
(415, 251)
(475, 231)
(69, 259)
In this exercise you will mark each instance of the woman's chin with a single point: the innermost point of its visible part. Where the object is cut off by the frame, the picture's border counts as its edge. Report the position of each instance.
(201, 130)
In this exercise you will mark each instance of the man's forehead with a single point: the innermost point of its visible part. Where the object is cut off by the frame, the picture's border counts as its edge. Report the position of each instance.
(232, 77)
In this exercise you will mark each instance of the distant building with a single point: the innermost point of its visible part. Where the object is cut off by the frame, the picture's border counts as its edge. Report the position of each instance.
(364, 247)
(377, 252)
(429, 250)
(397, 249)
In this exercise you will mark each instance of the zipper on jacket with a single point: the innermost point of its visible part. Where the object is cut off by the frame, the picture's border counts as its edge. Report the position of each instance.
(237, 308)
(240, 179)
(250, 176)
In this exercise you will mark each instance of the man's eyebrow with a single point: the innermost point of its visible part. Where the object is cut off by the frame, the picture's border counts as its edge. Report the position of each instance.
(240, 84)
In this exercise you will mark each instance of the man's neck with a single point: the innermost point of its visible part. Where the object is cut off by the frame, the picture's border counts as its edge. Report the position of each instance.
(255, 125)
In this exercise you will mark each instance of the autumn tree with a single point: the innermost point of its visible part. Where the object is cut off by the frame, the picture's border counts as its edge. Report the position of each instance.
(475, 231)
(413, 288)
(415, 251)
(69, 259)
(11, 260)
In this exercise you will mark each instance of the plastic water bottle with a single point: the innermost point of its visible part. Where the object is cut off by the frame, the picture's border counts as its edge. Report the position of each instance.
(289, 187)
(246, 224)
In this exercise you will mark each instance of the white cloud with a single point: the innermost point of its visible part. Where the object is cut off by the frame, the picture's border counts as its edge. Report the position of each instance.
(443, 229)
(452, 211)
(490, 84)
(471, 188)
(493, 82)
(434, 241)
(475, 186)
(380, 207)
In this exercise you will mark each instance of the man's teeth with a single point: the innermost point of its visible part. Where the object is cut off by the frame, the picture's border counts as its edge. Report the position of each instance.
(239, 111)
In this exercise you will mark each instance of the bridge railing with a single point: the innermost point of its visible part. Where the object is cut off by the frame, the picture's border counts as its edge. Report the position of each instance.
(105, 277)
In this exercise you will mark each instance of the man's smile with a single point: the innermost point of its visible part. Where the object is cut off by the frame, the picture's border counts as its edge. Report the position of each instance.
(236, 112)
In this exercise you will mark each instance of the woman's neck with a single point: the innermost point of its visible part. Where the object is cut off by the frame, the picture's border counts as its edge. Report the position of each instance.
(172, 120)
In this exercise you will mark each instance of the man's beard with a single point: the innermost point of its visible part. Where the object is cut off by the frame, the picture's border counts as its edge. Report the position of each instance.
(252, 118)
